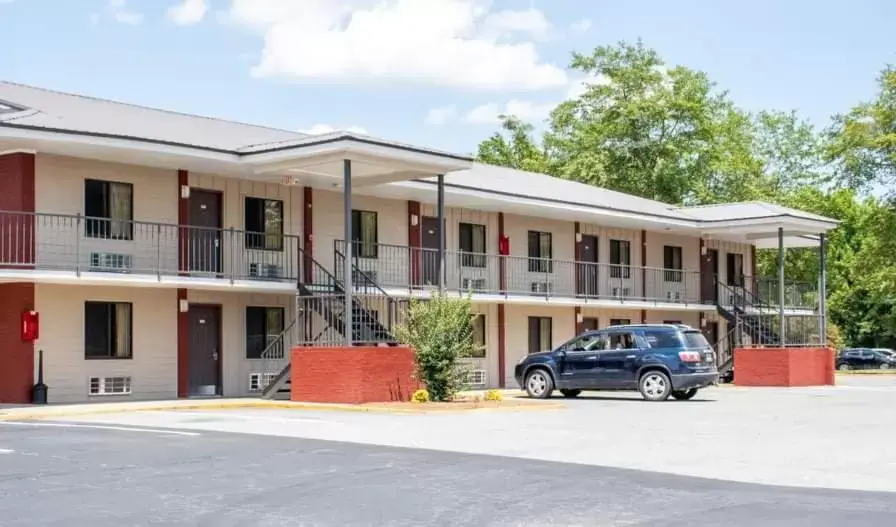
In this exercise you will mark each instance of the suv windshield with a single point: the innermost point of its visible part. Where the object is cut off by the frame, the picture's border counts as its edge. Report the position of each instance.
(694, 339)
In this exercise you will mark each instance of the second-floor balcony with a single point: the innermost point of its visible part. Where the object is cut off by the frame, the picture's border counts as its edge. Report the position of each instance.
(77, 244)
(404, 267)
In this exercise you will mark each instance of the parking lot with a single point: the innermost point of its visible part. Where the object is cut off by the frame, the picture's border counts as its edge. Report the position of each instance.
(275, 463)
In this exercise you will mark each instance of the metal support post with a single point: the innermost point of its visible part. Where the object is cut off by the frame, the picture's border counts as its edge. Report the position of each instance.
(782, 320)
(349, 251)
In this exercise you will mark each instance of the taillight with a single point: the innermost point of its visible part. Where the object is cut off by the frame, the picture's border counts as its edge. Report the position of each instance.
(689, 356)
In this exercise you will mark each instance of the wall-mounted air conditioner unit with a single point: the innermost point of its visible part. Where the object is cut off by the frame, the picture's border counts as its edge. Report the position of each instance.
(476, 378)
(540, 287)
(109, 386)
(258, 381)
(264, 270)
(674, 296)
(622, 292)
(473, 284)
(364, 277)
(111, 262)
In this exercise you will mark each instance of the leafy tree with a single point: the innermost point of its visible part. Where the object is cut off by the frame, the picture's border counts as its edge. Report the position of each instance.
(515, 150)
(862, 142)
(668, 133)
(440, 330)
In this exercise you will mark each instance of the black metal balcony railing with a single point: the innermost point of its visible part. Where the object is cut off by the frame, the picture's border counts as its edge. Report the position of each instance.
(407, 267)
(410, 267)
(59, 242)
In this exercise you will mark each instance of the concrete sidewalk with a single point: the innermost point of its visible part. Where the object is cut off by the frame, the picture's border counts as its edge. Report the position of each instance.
(30, 412)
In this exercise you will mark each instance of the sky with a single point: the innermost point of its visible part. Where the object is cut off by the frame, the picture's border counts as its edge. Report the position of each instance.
(432, 72)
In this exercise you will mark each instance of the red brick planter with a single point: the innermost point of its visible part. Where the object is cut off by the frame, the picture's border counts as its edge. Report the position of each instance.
(353, 375)
(784, 367)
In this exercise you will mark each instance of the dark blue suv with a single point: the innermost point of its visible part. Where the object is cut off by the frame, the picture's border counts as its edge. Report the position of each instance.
(659, 360)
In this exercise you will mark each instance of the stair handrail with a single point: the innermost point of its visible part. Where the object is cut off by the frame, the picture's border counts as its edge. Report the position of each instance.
(267, 355)
(369, 282)
(316, 266)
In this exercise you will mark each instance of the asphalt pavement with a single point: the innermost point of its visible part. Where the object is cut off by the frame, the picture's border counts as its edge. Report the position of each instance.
(94, 475)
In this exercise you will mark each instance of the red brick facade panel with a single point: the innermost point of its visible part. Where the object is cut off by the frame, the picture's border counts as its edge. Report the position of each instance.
(16, 210)
(353, 375)
(784, 367)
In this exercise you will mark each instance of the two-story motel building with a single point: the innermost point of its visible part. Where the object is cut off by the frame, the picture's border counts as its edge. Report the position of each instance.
(164, 252)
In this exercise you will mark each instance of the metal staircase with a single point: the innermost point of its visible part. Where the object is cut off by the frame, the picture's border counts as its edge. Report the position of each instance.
(747, 317)
(321, 299)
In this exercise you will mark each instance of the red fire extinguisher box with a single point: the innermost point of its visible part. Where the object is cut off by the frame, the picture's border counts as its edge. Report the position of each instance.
(30, 326)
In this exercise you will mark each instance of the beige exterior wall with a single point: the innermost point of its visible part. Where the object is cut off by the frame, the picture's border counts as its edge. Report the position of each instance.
(59, 189)
(688, 287)
(235, 366)
(233, 203)
(153, 368)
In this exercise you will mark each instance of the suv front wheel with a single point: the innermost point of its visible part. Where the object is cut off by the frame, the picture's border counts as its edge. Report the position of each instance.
(655, 386)
(539, 384)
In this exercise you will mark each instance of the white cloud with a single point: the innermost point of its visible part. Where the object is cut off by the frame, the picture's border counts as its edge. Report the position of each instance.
(118, 11)
(528, 111)
(188, 12)
(441, 115)
(327, 128)
(129, 17)
(502, 23)
(455, 43)
(580, 26)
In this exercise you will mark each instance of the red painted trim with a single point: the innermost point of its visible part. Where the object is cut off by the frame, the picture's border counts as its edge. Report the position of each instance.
(643, 265)
(307, 233)
(578, 311)
(183, 219)
(183, 347)
(753, 268)
(17, 195)
(501, 346)
(414, 239)
(577, 251)
(502, 263)
(16, 356)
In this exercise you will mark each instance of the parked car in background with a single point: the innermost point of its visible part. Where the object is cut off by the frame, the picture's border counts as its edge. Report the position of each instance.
(658, 360)
(865, 359)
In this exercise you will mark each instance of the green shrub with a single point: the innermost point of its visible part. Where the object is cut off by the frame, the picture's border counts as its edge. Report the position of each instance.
(420, 396)
(440, 330)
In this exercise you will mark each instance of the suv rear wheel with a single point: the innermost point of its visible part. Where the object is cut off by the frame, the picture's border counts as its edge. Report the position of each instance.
(685, 395)
(655, 386)
(539, 384)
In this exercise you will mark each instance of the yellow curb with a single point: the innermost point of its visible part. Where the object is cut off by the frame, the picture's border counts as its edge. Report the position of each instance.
(867, 372)
(62, 412)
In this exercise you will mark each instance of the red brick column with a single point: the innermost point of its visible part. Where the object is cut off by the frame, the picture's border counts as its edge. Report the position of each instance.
(414, 241)
(502, 346)
(784, 367)
(183, 347)
(16, 357)
(308, 234)
(17, 219)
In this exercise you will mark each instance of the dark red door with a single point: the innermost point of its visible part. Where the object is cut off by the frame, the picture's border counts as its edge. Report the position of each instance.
(204, 369)
(588, 268)
(429, 243)
(204, 235)
(709, 270)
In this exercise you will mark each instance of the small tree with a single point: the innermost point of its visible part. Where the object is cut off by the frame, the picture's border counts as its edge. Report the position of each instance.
(440, 330)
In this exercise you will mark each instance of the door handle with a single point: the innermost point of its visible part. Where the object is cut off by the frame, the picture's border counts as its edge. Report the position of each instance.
(214, 355)
(630, 356)
(591, 357)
